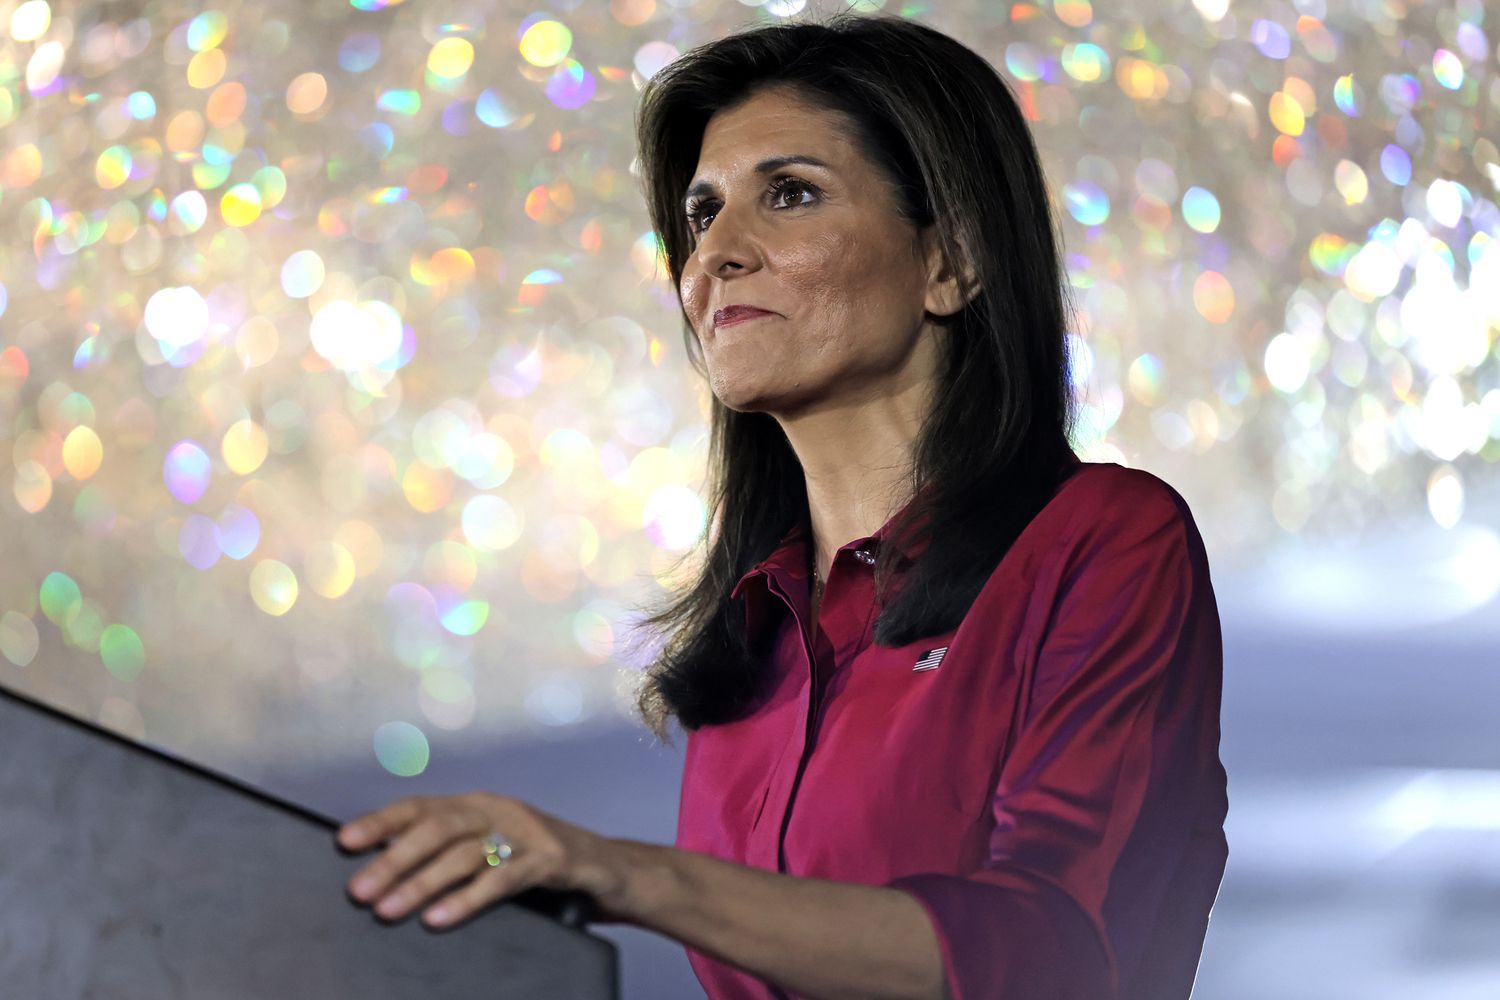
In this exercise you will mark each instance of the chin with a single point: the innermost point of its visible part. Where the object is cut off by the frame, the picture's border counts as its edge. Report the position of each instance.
(736, 393)
(744, 397)
(740, 402)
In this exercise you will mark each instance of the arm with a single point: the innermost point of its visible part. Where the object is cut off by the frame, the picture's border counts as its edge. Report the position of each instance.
(819, 939)
(1108, 842)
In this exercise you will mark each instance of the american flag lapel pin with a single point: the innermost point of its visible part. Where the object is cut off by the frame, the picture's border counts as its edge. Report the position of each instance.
(930, 659)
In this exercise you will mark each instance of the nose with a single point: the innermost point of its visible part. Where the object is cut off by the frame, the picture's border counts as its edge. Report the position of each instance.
(728, 245)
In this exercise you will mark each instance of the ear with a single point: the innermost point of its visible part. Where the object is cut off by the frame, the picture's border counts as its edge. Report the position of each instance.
(949, 288)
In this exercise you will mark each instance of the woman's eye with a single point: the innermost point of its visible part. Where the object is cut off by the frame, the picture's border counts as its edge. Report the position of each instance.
(699, 214)
(696, 216)
(797, 186)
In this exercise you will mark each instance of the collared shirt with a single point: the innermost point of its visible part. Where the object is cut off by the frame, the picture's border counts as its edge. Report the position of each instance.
(1044, 779)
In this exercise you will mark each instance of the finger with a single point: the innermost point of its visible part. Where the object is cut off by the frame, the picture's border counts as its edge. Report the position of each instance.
(484, 890)
(374, 827)
(412, 846)
(462, 860)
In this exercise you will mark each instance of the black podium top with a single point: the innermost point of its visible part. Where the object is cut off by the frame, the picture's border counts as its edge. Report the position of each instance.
(126, 872)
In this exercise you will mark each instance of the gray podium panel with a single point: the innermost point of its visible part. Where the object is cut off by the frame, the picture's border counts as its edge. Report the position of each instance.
(128, 874)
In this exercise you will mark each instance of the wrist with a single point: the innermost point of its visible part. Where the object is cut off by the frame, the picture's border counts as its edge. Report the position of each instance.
(640, 884)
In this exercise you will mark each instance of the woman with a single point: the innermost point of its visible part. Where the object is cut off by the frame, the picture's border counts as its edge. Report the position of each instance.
(975, 755)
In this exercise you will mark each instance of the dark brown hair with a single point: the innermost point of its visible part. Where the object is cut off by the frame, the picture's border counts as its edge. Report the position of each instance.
(944, 128)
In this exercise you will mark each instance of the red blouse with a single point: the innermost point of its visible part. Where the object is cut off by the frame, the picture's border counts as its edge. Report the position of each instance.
(1044, 779)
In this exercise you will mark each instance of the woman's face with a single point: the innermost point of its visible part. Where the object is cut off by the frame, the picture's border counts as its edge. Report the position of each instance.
(821, 247)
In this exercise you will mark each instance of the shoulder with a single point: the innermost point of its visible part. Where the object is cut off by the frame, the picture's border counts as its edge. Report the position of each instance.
(1110, 539)
(1104, 507)
(1106, 486)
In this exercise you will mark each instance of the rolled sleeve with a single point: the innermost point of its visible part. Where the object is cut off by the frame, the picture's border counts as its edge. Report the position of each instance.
(1108, 843)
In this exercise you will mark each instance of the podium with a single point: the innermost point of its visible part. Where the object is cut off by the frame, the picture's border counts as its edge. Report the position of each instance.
(129, 874)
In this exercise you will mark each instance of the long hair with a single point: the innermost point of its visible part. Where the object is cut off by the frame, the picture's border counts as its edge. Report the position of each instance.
(948, 134)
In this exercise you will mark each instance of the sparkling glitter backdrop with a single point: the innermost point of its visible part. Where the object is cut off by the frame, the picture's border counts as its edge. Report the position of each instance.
(346, 409)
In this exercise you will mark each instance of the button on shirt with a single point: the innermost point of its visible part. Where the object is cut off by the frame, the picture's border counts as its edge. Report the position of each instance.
(1044, 779)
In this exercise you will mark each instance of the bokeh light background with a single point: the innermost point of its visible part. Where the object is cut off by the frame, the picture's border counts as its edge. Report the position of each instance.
(345, 408)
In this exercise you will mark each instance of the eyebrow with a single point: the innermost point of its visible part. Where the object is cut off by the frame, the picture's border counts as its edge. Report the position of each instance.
(765, 166)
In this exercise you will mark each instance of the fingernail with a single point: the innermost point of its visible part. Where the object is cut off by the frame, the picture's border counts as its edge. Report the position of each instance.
(438, 915)
(363, 886)
(391, 904)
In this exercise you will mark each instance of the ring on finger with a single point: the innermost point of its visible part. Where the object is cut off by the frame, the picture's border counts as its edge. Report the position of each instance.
(497, 849)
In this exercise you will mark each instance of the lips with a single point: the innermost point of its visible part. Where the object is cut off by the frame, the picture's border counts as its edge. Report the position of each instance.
(733, 314)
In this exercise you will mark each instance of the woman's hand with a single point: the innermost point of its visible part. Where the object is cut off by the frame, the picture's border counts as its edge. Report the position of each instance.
(438, 846)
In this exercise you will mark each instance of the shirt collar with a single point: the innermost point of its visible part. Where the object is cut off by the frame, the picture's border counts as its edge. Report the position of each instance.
(789, 558)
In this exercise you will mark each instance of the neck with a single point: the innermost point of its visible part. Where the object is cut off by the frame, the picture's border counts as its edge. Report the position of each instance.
(857, 467)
